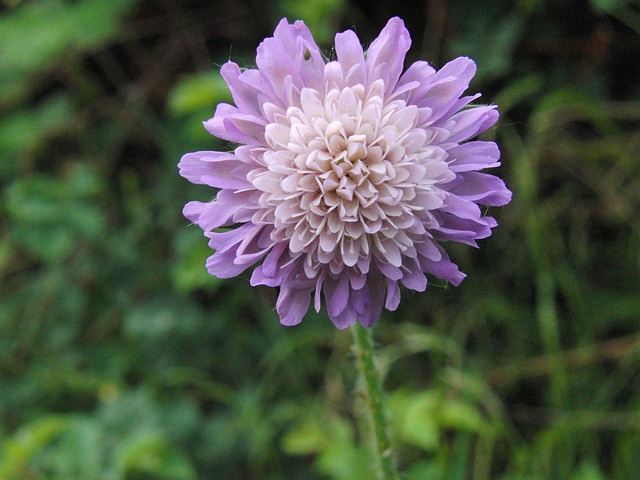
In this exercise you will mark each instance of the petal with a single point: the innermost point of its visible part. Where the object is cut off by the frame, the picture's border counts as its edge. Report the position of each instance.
(317, 297)
(351, 57)
(193, 210)
(336, 294)
(388, 270)
(222, 264)
(448, 85)
(461, 208)
(216, 169)
(413, 277)
(368, 301)
(222, 241)
(292, 305)
(450, 108)
(461, 70)
(471, 122)
(276, 266)
(393, 296)
(346, 318)
(356, 279)
(245, 94)
(473, 156)
(385, 56)
(222, 212)
(419, 74)
(460, 221)
(236, 250)
(443, 268)
(484, 189)
(253, 248)
(270, 264)
(438, 93)
(429, 249)
(291, 52)
(234, 125)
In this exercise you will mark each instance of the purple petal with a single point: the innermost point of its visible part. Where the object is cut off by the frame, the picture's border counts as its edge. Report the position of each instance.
(484, 189)
(243, 89)
(393, 296)
(346, 318)
(292, 305)
(419, 75)
(351, 57)
(413, 277)
(292, 52)
(388, 270)
(368, 301)
(276, 266)
(224, 211)
(236, 250)
(462, 70)
(317, 298)
(356, 279)
(451, 108)
(193, 211)
(460, 221)
(473, 156)
(208, 215)
(222, 241)
(230, 123)
(461, 208)
(385, 56)
(469, 123)
(254, 247)
(216, 169)
(336, 294)
(448, 85)
(270, 264)
(443, 268)
(222, 264)
(285, 268)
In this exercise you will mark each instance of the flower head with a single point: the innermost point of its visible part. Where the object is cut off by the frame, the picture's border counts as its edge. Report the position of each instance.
(348, 174)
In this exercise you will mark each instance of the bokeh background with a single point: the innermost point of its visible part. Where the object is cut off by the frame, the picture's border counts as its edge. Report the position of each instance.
(120, 358)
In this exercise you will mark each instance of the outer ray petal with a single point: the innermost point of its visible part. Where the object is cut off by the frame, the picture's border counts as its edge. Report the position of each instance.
(385, 56)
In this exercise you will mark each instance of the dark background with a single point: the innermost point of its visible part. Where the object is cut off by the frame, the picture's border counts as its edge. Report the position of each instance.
(120, 358)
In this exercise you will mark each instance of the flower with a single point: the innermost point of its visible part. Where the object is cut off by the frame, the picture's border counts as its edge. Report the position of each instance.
(349, 173)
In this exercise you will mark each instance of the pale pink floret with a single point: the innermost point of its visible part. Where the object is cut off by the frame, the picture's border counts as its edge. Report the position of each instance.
(349, 173)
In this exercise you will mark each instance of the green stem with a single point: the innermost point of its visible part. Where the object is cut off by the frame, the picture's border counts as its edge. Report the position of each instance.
(376, 413)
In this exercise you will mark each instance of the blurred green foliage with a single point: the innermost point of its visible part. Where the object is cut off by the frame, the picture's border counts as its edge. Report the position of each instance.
(120, 358)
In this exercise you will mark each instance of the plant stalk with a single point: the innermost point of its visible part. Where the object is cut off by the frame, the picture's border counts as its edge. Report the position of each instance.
(375, 406)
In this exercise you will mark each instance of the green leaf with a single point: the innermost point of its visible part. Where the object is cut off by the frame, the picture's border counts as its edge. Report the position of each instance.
(420, 417)
(414, 415)
(309, 437)
(151, 455)
(28, 442)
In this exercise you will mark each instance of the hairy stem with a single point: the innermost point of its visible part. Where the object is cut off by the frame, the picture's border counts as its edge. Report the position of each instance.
(372, 384)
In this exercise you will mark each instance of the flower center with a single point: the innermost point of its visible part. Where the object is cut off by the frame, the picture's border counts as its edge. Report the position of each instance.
(348, 174)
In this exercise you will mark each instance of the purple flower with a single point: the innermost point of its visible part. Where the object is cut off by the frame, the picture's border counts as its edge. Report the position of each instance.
(349, 173)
